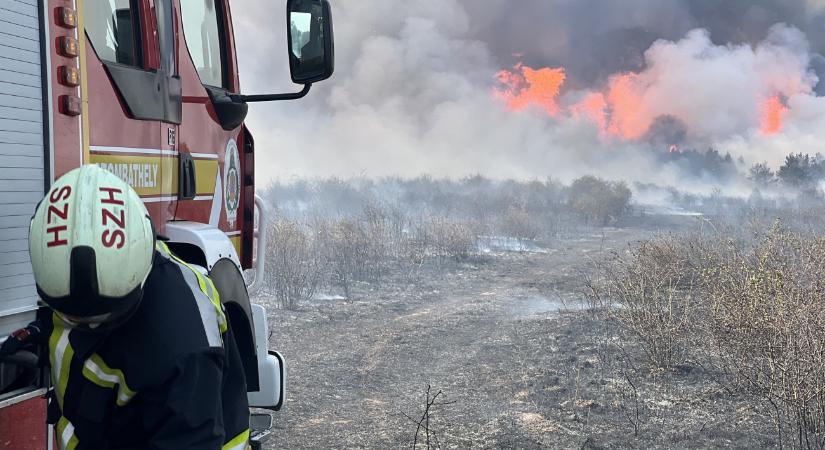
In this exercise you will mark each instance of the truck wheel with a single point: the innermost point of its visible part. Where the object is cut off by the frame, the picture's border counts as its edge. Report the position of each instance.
(232, 289)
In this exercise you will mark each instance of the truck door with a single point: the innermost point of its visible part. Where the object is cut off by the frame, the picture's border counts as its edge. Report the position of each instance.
(208, 68)
(134, 99)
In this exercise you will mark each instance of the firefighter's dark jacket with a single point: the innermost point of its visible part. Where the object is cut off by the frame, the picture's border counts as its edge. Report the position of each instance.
(171, 377)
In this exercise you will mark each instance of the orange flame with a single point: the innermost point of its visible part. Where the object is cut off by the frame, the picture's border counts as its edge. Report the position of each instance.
(525, 86)
(627, 119)
(616, 113)
(620, 109)
(773, 115)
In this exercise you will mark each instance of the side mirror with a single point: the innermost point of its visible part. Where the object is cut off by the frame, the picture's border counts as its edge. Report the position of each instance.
(311, 53)
(310, 39)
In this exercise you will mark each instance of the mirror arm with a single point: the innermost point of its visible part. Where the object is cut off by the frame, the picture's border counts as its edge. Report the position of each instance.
(238, 98)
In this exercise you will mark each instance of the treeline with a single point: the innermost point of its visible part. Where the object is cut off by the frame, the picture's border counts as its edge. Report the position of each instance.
(709, 164)
(801, 172)
(588, 200)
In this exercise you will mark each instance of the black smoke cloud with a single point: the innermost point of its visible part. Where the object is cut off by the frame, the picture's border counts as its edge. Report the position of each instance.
(594, 39)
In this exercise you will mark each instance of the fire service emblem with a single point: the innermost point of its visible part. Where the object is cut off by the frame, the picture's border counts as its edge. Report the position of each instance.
(232, 182)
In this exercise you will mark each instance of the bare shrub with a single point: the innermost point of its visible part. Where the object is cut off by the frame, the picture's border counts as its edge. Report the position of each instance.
(397, 222)
(516, 222)
(356, 248)
(750, 308)
(414, 249)
(451, 240)
(768, 322)
(345, 247)
(425, 433)
(379, 239)
(642, 292)
(295, 264)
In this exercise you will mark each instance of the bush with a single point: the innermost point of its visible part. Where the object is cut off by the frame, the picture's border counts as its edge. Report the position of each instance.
(751, 308)
(517, 222)
(358, 248)
(346, 248)
(642, 291)
(599, 202)
(295, 264)
(451, 240)
(768, 322)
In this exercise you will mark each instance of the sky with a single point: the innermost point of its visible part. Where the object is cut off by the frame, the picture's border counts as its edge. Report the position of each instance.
(416, 89)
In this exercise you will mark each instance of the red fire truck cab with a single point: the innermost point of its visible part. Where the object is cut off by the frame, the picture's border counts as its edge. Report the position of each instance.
(149, 90)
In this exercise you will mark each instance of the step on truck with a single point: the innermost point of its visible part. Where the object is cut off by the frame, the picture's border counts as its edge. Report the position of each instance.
(149, 90)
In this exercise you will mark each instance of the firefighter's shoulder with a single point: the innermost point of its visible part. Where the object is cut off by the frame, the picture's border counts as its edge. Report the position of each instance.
(169, 325)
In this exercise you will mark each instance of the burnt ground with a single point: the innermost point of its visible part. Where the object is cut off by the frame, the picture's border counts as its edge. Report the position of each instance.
(518, 360)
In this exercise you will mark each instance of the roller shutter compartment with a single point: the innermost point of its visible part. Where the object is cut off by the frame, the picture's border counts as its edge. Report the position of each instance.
(22, 155)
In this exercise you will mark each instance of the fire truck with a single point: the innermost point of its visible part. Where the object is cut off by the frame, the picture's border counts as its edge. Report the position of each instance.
(149, 90)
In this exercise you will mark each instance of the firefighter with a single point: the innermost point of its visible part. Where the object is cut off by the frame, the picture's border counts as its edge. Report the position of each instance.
(139, 347)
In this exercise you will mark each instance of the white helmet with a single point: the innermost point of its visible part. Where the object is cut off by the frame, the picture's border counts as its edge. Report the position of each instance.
(92, 244)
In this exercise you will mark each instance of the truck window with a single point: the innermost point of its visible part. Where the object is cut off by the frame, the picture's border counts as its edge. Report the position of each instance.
(113, 31)
(166, 34)
(201, 30)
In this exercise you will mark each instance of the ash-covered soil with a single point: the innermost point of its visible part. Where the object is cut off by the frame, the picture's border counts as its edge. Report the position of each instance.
(516, 355)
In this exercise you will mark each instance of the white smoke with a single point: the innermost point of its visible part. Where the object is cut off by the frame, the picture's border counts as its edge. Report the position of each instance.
(412, 95)
(803, 133)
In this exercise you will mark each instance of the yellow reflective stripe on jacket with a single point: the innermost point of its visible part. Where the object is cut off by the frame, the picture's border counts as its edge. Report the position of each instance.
(66, 439)
(60, 357)
(163, 249)
(239, 442)
(99, 373)
(207, 287)
(212, 293)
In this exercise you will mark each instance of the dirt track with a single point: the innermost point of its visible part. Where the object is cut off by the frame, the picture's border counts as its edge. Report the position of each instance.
(515, 371)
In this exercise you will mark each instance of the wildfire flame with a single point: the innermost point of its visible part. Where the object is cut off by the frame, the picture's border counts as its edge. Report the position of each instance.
(773, 115)
(619, 112)
(625, 100)
(525, 86)
(615, 112)
(618, 109)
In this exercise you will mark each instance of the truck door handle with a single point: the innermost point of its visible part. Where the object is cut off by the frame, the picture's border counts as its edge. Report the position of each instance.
(186, 177)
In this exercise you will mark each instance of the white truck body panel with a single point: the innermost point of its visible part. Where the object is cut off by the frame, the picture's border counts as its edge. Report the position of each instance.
(212, 241)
